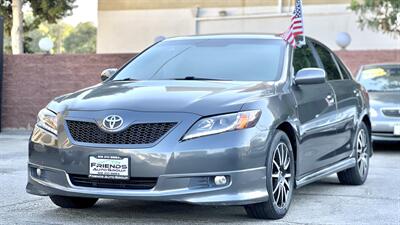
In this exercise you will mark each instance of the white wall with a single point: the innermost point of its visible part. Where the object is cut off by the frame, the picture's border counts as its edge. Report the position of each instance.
(134, 30)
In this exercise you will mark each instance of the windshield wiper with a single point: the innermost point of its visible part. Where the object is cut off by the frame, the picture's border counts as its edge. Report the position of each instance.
(374, 90)
(194, 78)
(127, 79)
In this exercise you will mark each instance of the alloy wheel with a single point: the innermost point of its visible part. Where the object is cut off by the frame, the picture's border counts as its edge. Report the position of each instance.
(362, 153)
(281, 175)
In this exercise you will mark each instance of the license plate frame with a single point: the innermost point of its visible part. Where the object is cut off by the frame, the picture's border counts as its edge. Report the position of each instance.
(396, 130)
(112, 167)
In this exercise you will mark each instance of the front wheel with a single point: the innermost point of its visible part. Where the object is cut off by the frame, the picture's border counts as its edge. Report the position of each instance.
(73, 202)
(358, 174)
(280, 180)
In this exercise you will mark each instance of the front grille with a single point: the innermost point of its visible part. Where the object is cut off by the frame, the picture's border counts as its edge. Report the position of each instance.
(143, 183)
(145, 133)
(391, 112)
(383, 134)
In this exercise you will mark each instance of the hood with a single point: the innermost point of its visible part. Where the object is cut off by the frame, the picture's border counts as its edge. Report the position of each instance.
(199, 97)
(384, 99)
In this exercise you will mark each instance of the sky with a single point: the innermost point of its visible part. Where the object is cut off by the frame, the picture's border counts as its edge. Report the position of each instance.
(85, 11)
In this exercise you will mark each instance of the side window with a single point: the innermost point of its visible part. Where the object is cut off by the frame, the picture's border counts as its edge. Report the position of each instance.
(344, 71)
(332, 72)
(303, 58)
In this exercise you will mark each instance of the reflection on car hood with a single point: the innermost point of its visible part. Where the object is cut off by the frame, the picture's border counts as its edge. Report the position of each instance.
(200, 97)
(386, 99)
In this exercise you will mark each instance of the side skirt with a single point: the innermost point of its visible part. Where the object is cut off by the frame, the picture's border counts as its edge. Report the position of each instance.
(340, 166)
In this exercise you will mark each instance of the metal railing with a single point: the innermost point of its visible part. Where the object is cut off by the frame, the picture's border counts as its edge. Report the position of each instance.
(280, 12)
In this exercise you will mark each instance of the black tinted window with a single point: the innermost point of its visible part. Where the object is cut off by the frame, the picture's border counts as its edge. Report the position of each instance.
(332, 72)
(345, 73)
(224, 59)
(303, 58)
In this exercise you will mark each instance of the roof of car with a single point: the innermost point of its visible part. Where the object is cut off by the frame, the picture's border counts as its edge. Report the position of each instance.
(228, 36)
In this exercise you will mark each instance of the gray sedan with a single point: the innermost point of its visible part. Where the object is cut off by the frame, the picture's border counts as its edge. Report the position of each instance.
(383, 84)
(218, 120)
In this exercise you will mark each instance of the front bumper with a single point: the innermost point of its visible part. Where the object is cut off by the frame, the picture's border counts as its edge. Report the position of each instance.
(383, 130)
(384, 137)
(239, 155)
(244, 187)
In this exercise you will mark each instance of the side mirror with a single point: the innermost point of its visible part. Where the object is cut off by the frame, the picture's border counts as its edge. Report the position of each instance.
(310, 76)
(107, 73)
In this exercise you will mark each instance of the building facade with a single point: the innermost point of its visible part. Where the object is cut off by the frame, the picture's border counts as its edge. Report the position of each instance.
(126, 26)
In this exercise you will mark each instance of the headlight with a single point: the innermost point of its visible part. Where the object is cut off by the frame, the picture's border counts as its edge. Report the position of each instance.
(223, 123)
(47, 120)
(373, 112)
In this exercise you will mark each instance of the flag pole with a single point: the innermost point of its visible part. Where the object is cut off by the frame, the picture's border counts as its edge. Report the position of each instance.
(303, 42)
(296, 28)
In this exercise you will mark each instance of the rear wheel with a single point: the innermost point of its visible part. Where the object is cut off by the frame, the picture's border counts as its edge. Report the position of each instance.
(358, 174)
(73, 202)
(280, 180)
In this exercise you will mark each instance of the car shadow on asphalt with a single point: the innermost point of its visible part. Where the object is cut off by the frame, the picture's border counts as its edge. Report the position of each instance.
(166, 212)
(157, 212)
(170, 212)
(386, 146)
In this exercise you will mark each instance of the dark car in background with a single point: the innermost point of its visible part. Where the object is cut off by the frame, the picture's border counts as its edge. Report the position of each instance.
(212, 120)
(383, 84)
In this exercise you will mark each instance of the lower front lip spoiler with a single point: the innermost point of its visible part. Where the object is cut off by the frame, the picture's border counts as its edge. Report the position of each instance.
(246, 187)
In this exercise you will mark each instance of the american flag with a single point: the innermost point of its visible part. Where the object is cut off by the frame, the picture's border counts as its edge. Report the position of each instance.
(296, 28)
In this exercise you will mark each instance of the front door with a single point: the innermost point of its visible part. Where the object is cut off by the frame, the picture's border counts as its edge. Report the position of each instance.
(317, 115)
(347, 101)
(317, 112)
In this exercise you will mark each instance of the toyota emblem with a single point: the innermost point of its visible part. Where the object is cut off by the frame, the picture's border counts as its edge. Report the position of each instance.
(112, 122)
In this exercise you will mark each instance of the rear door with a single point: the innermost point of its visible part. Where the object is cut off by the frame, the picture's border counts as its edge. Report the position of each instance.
(317, 114)
(346, 93)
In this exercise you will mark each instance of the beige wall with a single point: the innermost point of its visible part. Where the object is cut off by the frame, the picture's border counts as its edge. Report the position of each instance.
(132, 31)
(322, 26)
(124, 31)
(107, 5)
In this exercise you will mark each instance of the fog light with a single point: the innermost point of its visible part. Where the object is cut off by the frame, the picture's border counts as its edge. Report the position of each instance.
(38, 172)
(220, 180)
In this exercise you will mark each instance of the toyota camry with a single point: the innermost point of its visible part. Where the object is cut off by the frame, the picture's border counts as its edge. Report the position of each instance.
(211, 120)
(382, 82)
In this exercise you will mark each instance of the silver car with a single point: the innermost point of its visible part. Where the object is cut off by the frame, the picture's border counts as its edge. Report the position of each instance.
(383, 84)
(219, 120)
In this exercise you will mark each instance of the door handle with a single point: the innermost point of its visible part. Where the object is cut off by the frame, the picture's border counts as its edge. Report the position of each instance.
(356, 92)
(330, 100)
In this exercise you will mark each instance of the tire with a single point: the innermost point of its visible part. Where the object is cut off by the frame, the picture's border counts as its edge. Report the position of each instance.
(357, 175)
(73, 202)
(280, 179)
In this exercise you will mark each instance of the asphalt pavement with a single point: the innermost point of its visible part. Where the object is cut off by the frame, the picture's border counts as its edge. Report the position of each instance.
(324, 202)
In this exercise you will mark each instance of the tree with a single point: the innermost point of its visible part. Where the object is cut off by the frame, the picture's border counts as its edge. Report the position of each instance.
(17, 37)
(56, 32)
(378, 15)
(43, 10)
(82, 39)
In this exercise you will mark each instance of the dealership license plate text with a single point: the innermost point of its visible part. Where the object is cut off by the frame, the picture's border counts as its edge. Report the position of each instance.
(397, 129)
(109, 167)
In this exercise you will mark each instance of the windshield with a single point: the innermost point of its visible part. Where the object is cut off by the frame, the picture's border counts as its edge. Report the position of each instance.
(381, 78)
(214, 59)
